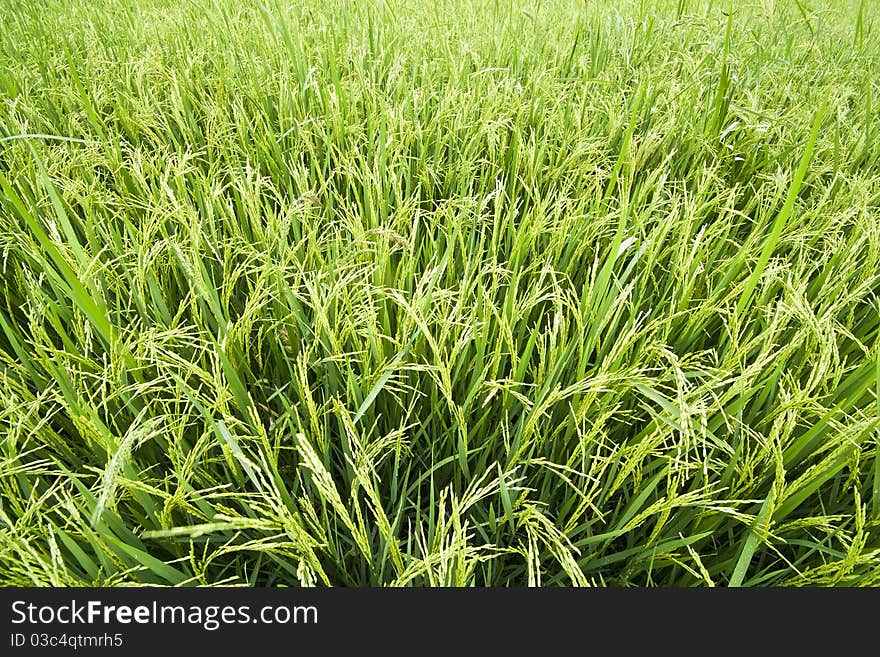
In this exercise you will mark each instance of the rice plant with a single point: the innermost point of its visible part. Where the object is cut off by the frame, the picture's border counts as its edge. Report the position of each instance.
(439, 293)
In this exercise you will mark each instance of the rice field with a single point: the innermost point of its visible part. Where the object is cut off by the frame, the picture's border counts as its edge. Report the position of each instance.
(439, 293)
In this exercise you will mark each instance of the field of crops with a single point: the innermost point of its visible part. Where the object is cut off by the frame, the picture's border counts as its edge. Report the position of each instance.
(417, 293)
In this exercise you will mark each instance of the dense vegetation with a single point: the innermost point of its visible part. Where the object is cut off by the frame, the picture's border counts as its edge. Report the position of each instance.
(466, 292)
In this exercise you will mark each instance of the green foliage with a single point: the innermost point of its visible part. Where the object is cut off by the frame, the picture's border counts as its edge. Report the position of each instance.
(465, 292)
